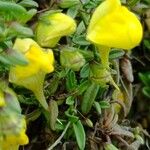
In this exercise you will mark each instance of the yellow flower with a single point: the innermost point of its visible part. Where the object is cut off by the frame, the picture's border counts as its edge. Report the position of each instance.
(32, 75)
(52, 27)
(113, 25)
(13, 140)
(12, 123)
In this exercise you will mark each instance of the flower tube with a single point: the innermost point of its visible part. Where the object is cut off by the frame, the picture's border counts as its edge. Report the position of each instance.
(32, 75)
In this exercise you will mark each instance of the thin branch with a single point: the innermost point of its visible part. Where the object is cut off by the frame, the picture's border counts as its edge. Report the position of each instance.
(59, 139)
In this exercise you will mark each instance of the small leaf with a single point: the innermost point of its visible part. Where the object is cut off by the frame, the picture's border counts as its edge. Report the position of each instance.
(80, 40)
(14, 12)
(53, 108)
(82, 87)
(28, 3)
(33, 115)
(146, 91)
(114, 54)
(98, 108)
(80, 28)
(27, 101)
(17, 29)
(138, 137)
(13, 58)
(104, 104)
(85, 71)
(80, 134)
(72, 12)
(89, 97)
(109, 146)
(147, 44)
(145, 78)
(53, 85)
(70, 100)
(71, 117)
(71, 81)
(132, 3)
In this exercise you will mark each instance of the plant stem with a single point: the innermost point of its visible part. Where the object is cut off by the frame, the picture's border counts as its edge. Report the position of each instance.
(41, 98)
(104, 55)
(59, 139)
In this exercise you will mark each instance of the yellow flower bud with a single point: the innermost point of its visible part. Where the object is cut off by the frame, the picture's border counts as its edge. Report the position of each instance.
(32, 75)
(13, 125)
(52, 27)
(113, 25)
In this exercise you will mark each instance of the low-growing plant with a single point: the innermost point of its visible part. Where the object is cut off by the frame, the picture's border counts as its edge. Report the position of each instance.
(66, 76)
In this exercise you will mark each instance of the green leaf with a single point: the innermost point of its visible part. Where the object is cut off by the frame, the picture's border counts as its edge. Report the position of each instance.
(145, 78)
(88, 55)
(70, 100)
(68, 3)
(98, 108)
(146, 91)
(28, 3)
(80, 134)
(71, 81)
(85, 71)
(17, 58)
(17, 29)
(27, 101)
(72, 12)
(13, 58)
(82, 87)
(147, 44)
(72, 118)
(4, 60)
(132, 3)
(80, 28)
(53, 109)
(89, 97)
(109, 146)
(14, 12)
(33, 115)
(54, 82)
(114, 54)
(80, 40)
(104, 104)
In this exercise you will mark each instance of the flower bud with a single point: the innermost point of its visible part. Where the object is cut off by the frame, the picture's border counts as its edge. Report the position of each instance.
(89, 123)
(31, 76)
(68, 3)
(52, 27)
(71, 58)
(113, 25)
